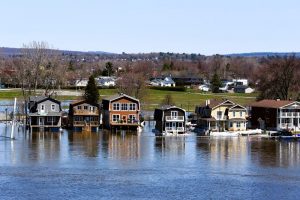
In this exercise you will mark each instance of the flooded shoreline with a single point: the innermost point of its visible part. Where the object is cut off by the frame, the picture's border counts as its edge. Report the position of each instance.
(127, 165)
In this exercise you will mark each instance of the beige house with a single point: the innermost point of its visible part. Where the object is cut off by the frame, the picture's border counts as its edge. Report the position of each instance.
(221, 115)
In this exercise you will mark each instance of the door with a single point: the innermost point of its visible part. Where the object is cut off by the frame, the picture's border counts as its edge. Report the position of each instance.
(174, 114)
(41, 121)
(174, 126)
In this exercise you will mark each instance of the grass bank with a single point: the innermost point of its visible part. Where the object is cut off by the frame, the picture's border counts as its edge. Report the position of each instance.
(153, 98)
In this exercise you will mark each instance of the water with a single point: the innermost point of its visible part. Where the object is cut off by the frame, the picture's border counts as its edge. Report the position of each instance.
(129, 166)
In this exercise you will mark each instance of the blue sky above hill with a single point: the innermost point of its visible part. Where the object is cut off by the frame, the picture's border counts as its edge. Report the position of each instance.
(133, 26)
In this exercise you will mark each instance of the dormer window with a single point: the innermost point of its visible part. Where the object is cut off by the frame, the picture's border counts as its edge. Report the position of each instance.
(42, 108)
(79, 107)
(52, 107)
(85, 107)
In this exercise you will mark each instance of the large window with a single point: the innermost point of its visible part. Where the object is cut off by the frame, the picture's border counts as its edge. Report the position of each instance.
(174, 114)
(238, 124)
(124, 106)
(132, 106)
(219, 114)
(79, 107)
(50, 119)
(116, 106)
(115, 118)
(132, 118)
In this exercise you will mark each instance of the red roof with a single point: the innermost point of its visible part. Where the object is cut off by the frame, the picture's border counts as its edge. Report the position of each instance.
(269, 103)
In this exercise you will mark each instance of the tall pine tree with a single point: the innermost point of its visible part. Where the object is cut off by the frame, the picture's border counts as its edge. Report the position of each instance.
(91, 93)
(215, 83)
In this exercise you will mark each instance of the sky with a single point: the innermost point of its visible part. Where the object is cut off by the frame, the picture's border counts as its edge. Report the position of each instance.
(141, 26)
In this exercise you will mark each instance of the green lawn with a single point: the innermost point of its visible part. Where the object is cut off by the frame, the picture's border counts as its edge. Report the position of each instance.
(153, 98)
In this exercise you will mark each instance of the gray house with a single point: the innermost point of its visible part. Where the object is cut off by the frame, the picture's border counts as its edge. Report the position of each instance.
(44, 114)
(170, 119)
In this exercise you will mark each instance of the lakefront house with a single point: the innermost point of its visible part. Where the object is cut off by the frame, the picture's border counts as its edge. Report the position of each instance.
(275, 115)
(170, 119)
(84, 116)
(121, 111)
(44, 114)
(221, 115)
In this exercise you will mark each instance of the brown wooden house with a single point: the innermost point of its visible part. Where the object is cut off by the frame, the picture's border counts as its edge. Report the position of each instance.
(121, 111)
(84, 116)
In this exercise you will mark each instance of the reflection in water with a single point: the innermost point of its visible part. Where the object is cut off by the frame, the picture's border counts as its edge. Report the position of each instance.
(272, 153)
(86, 143)
(121, 145)
(240, 151)
(142, 166)
(170, 145)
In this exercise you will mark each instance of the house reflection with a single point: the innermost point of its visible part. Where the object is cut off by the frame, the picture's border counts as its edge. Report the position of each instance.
(42, 146)
(170, 145)
(270, 153)
(121, 145)
(86, 143)
(221, 151)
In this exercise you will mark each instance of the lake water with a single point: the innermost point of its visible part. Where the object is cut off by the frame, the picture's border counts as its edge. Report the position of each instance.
(129, 166)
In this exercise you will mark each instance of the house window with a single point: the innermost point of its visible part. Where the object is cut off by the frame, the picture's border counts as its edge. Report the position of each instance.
(50, 119)
(79, 107)
(241, 113)
(116, 106)
(174, 114)
(233, 113)
(42, 108)
(115, 118)
(238, 124)
(219, 114)
(52, 107)
(132, 118)
(180, 124)
(91, 108)
(124, 106)
(132, 106)
(230, 124)
(85, 107)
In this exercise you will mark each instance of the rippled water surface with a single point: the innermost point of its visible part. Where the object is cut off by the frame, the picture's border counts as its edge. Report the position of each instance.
(129, 166)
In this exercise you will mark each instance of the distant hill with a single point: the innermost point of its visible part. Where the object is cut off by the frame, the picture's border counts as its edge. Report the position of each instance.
(7, 51)
(264, 54)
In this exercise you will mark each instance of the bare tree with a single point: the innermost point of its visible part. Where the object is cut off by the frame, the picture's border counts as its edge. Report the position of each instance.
(132, 84)
(277, 77)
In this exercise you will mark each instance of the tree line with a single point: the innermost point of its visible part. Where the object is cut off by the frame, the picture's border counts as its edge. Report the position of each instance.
(39, 66)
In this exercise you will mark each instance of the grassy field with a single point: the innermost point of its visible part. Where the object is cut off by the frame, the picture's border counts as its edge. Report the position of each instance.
(153, 98)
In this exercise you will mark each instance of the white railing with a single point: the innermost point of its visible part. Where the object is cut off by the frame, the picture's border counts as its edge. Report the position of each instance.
(174, 129)
(291, 114)
(174, 118)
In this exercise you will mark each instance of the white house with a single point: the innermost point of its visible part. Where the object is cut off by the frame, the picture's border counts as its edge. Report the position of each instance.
(204, 88)
(241, 81)
(81, 82)
(166, 82)
(243, 89)
(106, 81)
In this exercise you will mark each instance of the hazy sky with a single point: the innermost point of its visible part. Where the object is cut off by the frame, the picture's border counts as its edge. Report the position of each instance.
(132, 26)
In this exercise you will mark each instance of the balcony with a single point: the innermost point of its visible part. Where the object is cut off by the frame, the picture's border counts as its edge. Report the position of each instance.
(126, 123)
(86, 112)
(174, 118)
(177, 129)
(82, 123)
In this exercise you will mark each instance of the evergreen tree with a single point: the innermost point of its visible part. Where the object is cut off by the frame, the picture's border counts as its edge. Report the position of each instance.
(91, 94)
(215, 83)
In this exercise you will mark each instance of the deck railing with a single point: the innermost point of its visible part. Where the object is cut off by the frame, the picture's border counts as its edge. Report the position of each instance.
(174, 118)
(174, 128)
